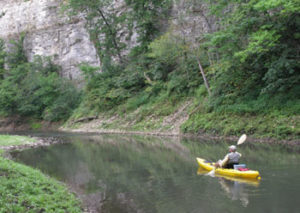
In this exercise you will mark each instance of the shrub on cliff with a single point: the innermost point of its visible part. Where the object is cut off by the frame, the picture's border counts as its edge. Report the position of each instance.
(35, 88)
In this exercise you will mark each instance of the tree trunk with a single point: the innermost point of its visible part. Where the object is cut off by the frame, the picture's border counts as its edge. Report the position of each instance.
(112, 34)
(148, 79)
(204, 77)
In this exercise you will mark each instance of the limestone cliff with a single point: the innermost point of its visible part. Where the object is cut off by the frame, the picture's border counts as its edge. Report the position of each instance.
(48, 33)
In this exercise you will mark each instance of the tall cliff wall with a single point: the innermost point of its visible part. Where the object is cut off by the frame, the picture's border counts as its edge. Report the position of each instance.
(51, 33)
(48, 33)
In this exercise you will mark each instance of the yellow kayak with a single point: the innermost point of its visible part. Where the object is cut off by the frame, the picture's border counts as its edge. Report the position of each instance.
(228, 172)
(249, 181)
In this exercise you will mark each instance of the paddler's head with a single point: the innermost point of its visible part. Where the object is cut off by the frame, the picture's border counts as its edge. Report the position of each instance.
(232, 148)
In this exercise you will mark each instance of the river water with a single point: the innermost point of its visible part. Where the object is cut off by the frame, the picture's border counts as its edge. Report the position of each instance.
(122, 173)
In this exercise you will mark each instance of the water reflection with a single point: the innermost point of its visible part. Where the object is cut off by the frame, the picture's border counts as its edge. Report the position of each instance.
(117, 173)
(232, 186)
(235, 190)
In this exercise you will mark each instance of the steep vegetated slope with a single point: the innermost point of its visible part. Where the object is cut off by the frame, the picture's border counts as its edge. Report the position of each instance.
(232, 66)
(221, 67)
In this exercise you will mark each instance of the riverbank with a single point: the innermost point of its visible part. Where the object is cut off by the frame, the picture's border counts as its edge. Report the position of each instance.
(187, 119)
(203, 136)
(25, 189)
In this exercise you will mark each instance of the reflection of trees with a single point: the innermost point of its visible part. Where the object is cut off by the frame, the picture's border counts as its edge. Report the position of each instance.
(126, 174)
(135, 172)
(114, 173)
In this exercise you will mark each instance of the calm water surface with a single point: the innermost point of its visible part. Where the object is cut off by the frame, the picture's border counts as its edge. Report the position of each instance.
(117, 173)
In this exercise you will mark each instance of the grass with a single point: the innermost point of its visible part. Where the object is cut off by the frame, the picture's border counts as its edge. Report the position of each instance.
(24, 189)
(9, 140)
(269, 125)
(36, 125)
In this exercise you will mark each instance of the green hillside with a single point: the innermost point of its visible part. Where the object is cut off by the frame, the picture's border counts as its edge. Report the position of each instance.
(242, 76)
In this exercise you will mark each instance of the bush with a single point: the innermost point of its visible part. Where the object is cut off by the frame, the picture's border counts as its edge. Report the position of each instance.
(35, 88)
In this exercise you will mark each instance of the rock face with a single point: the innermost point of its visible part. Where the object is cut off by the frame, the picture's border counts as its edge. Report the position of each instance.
(190, 20)
(48, 33)
(51, 33)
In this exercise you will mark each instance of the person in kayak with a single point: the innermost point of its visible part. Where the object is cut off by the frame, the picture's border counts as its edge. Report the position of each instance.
(232, 158)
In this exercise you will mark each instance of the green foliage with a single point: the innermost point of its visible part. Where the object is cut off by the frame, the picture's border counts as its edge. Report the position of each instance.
(149, 15)
(24, 189)
(17, 54)
(35, 88)
(164, 69)
(137, 101)
(258, 45)
(251, 62)
(274, 124)
(35, 126)
(108, 89)
(105, 26)
(172, 63)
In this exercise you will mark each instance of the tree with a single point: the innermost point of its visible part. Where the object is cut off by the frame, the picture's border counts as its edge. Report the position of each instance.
(111, 29)
(17, 55)
(34, 88)
(2, 59)
(103, 24)
(193, 38)
(258, 44)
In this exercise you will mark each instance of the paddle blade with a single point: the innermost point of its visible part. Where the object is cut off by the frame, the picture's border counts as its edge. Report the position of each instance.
(242, 139)
(211, 173)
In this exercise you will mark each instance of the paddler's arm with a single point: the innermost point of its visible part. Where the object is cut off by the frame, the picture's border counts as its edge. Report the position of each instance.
(224, 161)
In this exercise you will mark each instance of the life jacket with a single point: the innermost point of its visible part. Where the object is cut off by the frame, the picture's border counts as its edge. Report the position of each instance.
(234, 157)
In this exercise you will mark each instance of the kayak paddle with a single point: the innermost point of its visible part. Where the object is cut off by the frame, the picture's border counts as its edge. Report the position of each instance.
(242, 139)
